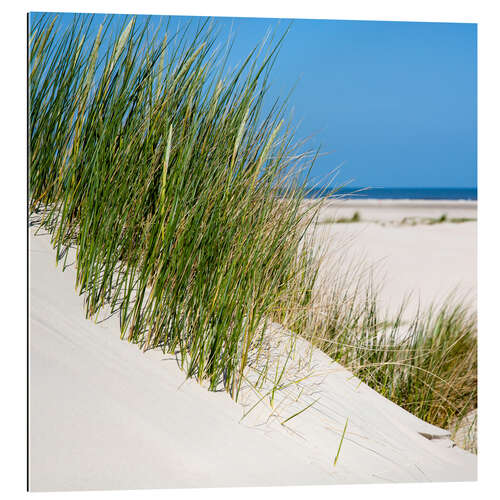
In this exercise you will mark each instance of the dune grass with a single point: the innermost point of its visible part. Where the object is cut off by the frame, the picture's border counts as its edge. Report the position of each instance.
(181, 195)
(356, 217)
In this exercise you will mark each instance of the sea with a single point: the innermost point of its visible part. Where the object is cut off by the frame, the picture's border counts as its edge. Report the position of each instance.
(402, 193)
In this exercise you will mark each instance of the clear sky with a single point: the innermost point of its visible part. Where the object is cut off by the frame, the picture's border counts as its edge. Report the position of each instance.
(394, 103)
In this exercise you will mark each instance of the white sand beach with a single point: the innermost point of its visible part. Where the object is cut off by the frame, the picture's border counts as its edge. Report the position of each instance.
(424, 262)
(105, 415)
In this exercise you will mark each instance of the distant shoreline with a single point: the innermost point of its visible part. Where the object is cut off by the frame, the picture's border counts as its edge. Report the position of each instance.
(404, 194)
(397, 203)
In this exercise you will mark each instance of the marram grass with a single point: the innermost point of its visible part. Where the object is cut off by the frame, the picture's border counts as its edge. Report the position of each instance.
(181, 196)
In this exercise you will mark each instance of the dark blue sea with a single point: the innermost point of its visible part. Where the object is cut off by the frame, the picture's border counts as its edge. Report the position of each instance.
(397, 193)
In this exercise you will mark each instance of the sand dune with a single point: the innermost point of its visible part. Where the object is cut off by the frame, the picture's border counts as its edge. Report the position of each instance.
(104, 415)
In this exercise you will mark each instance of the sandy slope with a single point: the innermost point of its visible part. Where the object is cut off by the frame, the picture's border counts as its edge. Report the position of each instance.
(104, 415)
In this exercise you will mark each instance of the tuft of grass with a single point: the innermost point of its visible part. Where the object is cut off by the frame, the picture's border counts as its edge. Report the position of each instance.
(460, 220)
(437, 220)
(180, 193)
(356, 217)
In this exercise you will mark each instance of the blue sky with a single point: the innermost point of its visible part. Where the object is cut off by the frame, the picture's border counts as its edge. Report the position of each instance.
(394, 103)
